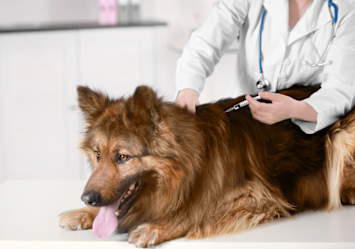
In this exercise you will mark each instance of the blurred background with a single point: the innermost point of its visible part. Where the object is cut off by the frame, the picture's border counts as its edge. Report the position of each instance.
(48, 47)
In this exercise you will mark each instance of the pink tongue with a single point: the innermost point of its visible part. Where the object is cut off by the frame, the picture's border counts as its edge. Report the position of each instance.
(106, 221)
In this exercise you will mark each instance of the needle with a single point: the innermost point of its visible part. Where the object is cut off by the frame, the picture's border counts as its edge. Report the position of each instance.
(241, 104)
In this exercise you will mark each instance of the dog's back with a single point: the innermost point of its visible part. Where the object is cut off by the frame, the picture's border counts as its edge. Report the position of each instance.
(294, 166)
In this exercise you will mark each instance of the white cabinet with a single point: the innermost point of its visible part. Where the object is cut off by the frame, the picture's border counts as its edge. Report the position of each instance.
(39, 71)
(2, 134)
(38, 74)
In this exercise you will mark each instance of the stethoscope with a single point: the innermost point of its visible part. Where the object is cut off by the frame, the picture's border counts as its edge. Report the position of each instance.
(264, 84)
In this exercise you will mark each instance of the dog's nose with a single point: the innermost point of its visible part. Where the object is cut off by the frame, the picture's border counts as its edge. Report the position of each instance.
(91, 198)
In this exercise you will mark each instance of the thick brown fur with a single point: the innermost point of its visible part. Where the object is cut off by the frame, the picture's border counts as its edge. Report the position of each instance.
(209, 173)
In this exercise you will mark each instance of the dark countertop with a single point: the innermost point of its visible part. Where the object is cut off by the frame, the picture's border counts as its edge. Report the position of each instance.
(77, 26)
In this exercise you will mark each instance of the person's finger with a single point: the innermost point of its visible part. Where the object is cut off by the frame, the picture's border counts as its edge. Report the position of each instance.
(271, 96)
(252, 102)
(180, 102)
(254, 109)
(192, 109)
(259, 106)
(263, 119)
(261, 116)
(191, 106)
(265, 112)
(258, 117)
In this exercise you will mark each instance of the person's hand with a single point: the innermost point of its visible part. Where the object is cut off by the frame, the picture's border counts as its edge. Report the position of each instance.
(282, 107)
(188, 98)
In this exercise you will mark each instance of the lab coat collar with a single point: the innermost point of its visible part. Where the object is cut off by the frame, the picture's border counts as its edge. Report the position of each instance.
(278, 11)
(316, 16)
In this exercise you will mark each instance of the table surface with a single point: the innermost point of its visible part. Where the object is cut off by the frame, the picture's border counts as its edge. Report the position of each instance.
(29, 216)
(77, 26)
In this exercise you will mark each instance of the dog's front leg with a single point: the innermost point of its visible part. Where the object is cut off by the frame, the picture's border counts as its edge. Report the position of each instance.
(152, 234)
(78, 219)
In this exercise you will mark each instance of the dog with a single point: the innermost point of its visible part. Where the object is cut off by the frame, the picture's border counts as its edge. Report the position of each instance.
(161, 173)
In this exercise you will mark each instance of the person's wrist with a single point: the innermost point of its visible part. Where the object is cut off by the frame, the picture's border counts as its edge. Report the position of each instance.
(187, 93)
(303, 111)
(295, 108)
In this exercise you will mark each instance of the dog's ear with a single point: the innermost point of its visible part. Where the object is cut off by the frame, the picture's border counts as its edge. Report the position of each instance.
(145, 104)
(92, 103)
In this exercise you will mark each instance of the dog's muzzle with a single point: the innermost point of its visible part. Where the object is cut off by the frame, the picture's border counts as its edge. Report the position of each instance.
(91, 198)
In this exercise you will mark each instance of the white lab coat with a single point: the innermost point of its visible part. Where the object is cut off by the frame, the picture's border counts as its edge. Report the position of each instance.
(282, 53)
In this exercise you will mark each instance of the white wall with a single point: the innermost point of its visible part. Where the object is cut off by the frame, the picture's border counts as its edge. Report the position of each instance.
(183, 17)
(2, 161)
(170, 10)
(36, 12)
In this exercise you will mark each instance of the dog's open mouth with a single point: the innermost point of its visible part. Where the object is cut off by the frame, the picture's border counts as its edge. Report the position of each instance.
(107, 220)
(127, 197)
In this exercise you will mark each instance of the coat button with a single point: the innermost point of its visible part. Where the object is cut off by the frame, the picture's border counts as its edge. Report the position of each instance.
(283, 76)
(287, 62)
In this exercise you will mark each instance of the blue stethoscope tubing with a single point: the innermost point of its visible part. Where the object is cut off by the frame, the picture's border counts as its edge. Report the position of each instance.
(335, 19)
(261, 30)
(262, 79)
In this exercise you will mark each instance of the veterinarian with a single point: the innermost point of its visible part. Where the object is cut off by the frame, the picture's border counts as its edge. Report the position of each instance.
(297, 45)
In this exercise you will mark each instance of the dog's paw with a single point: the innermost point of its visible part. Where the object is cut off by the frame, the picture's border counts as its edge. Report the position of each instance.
(348, 197)
(145, 235)
(79, 219)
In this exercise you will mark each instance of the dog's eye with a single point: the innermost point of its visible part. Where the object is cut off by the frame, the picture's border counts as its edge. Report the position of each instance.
(97, 154)
(122, 158)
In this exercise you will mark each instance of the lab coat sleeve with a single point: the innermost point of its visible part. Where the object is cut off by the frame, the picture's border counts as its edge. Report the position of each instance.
(207, 44)
(337, 94)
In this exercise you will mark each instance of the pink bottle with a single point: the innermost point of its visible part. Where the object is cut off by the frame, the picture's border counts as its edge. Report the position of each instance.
(108, 12)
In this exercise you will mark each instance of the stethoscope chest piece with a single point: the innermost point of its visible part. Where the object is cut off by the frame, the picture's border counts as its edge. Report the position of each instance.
(263, 84)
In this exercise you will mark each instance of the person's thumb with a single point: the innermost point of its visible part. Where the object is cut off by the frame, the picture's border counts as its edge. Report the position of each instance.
(270, 96)
(191, 105)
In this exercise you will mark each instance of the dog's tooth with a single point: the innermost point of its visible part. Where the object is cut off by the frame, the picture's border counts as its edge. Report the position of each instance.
(132, 186)
(129, 192)
(126, 195)
(122, 200)
(117, 213)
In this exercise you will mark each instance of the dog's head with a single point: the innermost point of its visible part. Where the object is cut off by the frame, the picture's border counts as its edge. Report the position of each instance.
(139, 148)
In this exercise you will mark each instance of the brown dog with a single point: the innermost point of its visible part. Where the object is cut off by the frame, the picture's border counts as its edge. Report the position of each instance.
(160, 173)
